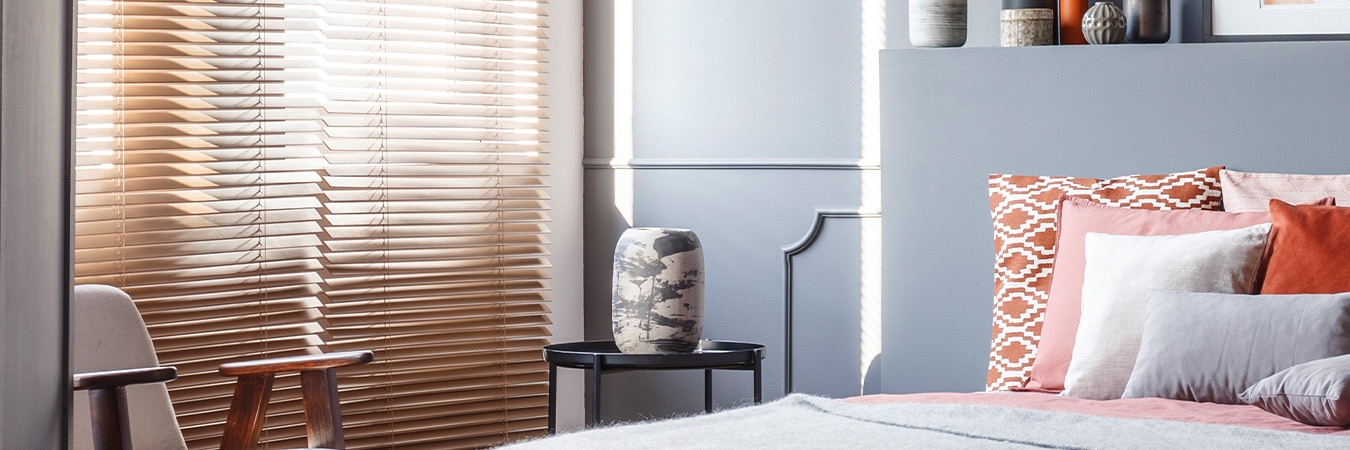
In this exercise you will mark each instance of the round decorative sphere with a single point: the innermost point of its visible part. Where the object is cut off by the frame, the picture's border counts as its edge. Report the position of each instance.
(1104, 23)
(937, 23)
(658, 291)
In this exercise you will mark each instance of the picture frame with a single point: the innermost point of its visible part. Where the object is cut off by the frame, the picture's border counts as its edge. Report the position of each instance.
(1276, 20)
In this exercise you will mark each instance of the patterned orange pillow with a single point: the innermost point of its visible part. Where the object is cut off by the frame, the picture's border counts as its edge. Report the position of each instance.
(1023, 209)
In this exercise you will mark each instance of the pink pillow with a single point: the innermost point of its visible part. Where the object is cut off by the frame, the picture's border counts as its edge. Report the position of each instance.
(1077, 218)
(1246, 191)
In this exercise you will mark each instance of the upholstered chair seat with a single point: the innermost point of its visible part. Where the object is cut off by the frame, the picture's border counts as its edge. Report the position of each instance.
(107, 333)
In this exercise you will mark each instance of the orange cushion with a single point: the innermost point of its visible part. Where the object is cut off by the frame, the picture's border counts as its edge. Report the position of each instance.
(1308, 250)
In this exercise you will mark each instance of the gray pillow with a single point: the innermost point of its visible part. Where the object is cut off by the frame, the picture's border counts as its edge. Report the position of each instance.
(1315, 393)
(1210, 347)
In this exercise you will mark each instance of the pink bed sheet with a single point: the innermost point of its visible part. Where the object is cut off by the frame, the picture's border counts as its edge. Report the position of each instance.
(1130, 408)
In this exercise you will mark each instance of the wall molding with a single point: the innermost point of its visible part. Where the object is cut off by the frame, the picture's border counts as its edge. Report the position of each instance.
(732, 164)
(799, 247)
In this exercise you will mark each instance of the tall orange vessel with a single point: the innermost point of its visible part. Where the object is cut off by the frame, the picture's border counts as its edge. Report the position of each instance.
(1071, 22)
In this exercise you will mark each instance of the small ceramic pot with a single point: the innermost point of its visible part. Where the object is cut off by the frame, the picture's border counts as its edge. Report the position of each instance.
(1035, 4)
(937, 23)
(1104, 23)
(1027, 27)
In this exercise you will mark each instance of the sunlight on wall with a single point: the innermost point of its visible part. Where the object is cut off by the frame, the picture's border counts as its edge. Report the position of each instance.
(623, 108)
(873, 40)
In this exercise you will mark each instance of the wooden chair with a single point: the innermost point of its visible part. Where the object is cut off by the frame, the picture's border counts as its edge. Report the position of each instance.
(115, 358)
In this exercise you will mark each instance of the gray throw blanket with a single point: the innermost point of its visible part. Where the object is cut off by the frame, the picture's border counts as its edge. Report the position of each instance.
(806, 422)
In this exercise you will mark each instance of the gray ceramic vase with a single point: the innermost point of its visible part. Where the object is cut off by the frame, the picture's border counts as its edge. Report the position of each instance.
(1104, 23)
(658, 291)
(937, 23)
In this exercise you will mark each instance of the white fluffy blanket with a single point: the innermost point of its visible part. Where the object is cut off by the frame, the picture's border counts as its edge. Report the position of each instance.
(806, 422)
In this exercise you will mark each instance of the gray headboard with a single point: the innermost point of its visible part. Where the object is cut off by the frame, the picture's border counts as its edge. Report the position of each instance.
(950, 117)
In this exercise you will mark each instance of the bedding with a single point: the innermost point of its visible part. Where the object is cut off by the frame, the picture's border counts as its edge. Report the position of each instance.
(1247, 191)
(1023, 210)
(1120, 272)
(957, 421)
(1129, 408)
(1308, 248)
(1077, 218)
(1206, 347)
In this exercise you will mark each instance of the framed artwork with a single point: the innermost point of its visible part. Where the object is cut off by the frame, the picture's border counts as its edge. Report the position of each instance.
(1276, 20)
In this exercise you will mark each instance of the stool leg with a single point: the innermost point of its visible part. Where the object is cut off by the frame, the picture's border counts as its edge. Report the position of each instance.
(707, 390)
(248, 411)
(552, 398)
(323, 411)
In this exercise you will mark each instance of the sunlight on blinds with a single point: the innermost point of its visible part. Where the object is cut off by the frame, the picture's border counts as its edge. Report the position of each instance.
(272, 178)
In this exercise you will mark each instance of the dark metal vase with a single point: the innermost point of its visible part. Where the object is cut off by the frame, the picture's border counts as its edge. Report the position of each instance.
(1148, 21)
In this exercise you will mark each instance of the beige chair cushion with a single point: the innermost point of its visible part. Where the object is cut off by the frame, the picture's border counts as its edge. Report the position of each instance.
(107, 333)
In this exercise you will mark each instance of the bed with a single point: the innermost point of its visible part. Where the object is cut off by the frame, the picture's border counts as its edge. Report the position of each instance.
(1099, 122)
(963, 421)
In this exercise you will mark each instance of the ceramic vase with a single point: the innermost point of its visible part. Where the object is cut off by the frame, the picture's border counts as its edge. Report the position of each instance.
(1026, 27)
(658, 291)
(1071, 14)
(1148, 21)
(937, 23)
(1052, 5)
(1104, 23)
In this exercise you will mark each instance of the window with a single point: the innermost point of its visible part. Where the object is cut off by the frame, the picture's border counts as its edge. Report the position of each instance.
(271, 178)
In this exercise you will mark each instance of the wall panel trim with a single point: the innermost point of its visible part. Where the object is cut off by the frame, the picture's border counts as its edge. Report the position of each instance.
(734, 163)
(796, 248)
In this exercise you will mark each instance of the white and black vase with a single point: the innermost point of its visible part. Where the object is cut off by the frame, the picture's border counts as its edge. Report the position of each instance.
(658, 291)
(937, 23)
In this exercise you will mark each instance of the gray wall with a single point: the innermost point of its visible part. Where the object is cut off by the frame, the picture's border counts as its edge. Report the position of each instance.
(747, 121)
(34, 217)
(951, 117)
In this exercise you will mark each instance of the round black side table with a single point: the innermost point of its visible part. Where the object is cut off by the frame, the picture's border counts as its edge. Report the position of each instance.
(602, 357)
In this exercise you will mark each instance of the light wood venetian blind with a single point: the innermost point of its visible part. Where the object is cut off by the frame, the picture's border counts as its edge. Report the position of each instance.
(271, 178)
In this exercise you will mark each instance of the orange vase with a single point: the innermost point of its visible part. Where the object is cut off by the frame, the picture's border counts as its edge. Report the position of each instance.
(1071, 22)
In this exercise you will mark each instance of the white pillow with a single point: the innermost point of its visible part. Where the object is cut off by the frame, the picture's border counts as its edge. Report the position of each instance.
(1120, 272)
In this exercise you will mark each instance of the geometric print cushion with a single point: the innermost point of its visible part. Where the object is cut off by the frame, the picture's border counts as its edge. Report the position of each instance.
(1024, 213)
(1246, 192)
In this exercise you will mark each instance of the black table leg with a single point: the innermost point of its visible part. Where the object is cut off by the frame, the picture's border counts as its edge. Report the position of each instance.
(552, 398)
(759, 388)
(597, 368)
(707, 390)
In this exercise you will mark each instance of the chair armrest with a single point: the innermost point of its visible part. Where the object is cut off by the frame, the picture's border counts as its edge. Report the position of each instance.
(124, 377)
(296, 363)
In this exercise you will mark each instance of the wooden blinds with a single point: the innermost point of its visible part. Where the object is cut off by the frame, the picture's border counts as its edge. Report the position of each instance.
(282, 177)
